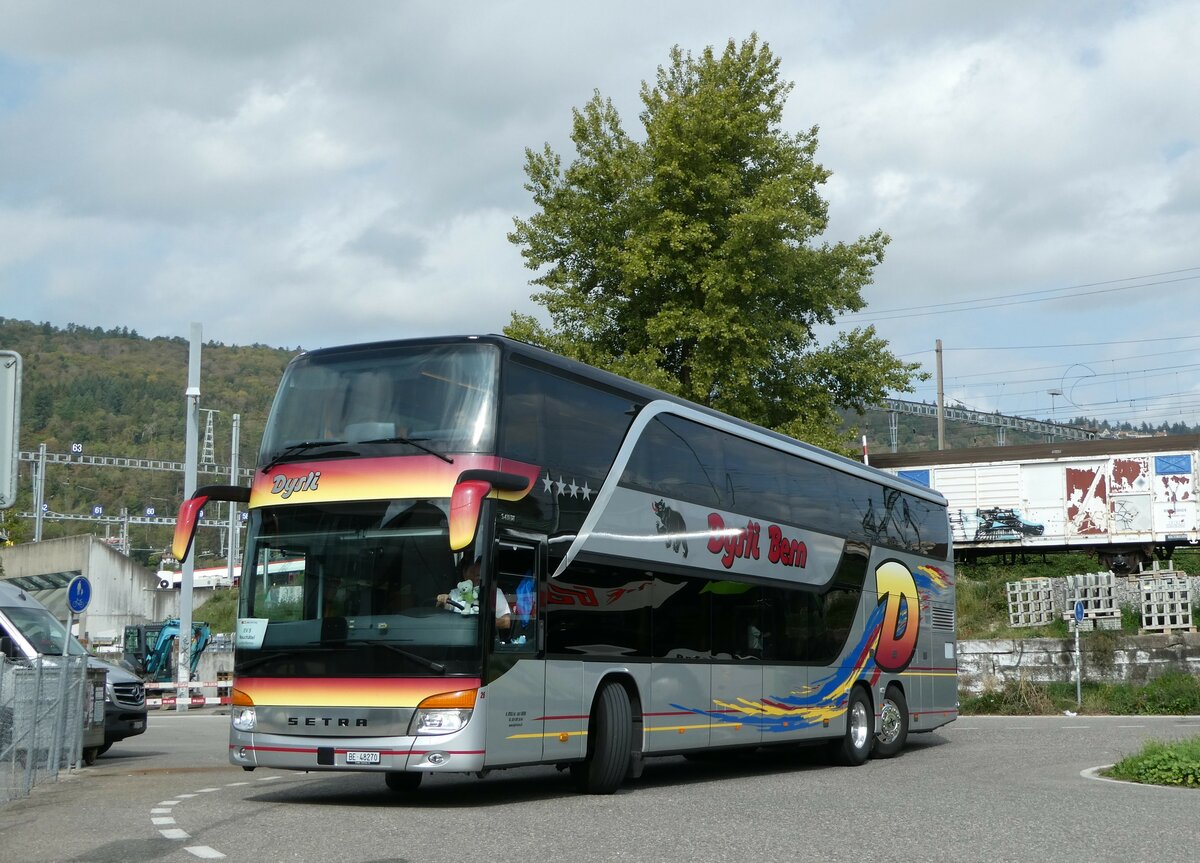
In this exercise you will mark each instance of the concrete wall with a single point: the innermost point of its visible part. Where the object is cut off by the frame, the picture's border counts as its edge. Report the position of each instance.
(984, 665)
(123, 592)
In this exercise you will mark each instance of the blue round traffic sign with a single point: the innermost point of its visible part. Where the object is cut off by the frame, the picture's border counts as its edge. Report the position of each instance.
(1079, 611)
(79, 594)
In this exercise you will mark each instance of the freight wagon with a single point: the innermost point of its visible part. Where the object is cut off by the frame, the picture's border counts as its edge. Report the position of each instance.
(1123, 500)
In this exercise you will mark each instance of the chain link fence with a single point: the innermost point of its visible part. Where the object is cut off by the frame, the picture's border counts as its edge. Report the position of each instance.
(44, 708)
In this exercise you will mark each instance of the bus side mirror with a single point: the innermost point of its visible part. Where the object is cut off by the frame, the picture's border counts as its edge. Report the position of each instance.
(189, 514)
(465, 503)
(466, 500)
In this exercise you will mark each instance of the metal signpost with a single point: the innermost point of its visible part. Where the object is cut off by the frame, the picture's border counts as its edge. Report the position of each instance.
(79, 594)
(1078, 655)
(10, 425)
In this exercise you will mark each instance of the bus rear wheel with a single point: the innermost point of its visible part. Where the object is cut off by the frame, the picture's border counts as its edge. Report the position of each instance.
(401, 781)
(893, 723)
(855, 746)
(610, 742)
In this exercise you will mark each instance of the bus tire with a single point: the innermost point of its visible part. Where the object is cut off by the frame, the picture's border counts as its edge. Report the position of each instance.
(855, 746)
(893, 723)
(610, 742)
(398, 780)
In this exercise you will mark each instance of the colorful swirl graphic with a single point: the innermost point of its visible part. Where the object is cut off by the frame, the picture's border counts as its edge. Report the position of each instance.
(826, 698)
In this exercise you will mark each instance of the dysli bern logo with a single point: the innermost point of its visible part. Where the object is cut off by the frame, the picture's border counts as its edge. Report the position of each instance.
(284, 486)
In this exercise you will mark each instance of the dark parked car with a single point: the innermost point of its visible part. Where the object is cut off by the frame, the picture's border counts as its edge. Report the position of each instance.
(124, 703)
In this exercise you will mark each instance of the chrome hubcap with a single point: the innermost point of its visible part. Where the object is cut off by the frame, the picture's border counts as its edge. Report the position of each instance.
(859, 727)
(889, 722)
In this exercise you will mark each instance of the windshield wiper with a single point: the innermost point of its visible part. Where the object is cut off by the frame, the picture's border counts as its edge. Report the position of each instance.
(407, 654)
(411, 441)
(296, 449)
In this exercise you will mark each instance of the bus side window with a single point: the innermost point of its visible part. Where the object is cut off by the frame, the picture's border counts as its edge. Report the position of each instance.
(515, 576)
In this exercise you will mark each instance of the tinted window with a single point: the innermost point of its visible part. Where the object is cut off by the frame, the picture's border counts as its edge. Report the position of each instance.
(441, 395)
(736, 620)
(599, 609)
(684, 460)
(678, 459)
(561, 424)
(681, 618)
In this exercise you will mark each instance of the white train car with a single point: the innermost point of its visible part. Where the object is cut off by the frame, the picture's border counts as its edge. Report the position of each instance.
(1125, 500)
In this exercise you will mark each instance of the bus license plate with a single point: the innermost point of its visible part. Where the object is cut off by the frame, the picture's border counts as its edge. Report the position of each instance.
(362, 757)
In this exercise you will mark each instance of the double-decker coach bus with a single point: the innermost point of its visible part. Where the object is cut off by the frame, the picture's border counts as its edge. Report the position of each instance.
(510, 558)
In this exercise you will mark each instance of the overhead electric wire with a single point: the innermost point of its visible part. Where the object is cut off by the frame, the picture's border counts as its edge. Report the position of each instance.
(1017, 298)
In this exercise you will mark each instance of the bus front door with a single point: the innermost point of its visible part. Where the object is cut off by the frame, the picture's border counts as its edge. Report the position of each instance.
(516, 692)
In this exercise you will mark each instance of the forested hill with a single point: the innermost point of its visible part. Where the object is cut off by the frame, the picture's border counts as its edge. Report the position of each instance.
(118, 394)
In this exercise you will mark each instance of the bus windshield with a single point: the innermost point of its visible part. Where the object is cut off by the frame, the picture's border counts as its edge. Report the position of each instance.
(351, 590)
(438, 398)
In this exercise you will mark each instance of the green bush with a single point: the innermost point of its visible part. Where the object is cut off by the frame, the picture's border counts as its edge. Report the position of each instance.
(1172, 694)
(1017, 698)
(220, 611)
(1162, 764)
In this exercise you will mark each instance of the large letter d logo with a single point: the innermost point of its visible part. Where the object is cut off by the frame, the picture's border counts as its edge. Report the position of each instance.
(901, 616)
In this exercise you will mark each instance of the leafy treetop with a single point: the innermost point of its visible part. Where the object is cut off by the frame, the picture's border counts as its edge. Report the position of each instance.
(691, 260)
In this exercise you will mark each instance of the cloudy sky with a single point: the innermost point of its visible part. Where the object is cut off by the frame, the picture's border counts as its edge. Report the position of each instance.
(304, 174)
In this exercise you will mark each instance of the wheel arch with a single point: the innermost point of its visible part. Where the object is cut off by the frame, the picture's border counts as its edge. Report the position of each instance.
(627, 682)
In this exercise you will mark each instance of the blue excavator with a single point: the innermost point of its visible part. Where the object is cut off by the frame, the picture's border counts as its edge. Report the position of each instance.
(149, 647)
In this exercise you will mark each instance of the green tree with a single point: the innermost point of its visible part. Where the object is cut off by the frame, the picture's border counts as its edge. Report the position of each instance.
(692, 260)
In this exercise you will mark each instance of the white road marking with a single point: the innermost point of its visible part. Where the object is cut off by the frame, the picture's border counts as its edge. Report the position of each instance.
(158, 822)
(174, 834)
(204, 852)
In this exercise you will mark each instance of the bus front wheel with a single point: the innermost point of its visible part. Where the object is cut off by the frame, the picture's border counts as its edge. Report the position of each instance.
(610, 742)
(855, 746)
(893, 723)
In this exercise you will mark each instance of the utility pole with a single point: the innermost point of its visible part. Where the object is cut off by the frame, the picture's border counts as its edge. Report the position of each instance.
(941, 396)
(39, 493)
(233, 550)
(183, 694)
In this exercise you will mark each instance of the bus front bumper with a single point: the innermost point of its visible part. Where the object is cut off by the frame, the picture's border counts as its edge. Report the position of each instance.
(449, 753)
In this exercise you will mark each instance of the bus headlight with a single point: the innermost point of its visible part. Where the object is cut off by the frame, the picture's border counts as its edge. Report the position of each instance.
(443, 713)
(243, 718)
(242, 714)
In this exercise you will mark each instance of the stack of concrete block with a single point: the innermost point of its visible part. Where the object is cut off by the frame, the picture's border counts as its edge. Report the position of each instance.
(1030, 602)
(1166, 602)
(1098, 593)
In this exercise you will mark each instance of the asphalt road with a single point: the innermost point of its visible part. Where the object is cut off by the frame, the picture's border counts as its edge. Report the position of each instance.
(985, 789)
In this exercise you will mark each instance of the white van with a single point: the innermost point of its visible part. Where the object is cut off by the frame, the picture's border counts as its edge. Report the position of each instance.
(29, 630)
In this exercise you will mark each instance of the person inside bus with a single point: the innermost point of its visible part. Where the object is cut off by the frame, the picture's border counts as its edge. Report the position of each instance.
(471, 574)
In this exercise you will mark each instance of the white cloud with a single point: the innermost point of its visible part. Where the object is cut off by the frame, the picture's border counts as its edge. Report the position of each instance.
(310, 174)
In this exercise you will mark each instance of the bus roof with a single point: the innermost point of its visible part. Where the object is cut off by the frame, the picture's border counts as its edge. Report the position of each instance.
(640, 392)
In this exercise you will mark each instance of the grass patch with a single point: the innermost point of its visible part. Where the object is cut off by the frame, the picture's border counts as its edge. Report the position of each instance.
(1172, 694)
(1162, 764)
(220, 611)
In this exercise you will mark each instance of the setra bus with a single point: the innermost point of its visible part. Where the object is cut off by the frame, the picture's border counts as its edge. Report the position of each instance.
(511, 558)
